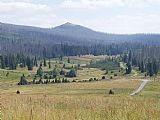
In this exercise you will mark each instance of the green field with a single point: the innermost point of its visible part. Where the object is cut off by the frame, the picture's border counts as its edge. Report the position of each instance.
(80, 100)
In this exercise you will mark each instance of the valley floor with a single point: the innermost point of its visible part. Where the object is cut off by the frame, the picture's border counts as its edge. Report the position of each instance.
(80, 100)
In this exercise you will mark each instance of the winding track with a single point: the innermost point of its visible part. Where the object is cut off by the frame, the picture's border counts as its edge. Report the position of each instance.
(141, 87)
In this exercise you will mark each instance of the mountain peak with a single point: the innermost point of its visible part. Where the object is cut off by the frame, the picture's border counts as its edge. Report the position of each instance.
(68, 24)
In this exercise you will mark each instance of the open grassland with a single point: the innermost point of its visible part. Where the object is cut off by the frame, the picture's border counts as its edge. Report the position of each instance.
(83, 60)
(80, 101)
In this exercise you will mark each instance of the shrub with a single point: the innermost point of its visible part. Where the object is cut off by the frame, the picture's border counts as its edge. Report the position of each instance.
(23, 81)
(40, 72)
(45, 76)
(55, 72)
(103, 77)
(115, 75)
(74, 81)
(7, 74)
(53, 81)
(62, 72)
(91, 79)
(66, 81)
(111, 92)
(71, 73)
(18, 92)
(40, 81)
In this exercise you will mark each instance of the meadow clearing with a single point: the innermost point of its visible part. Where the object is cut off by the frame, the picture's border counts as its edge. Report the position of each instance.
(80, 100)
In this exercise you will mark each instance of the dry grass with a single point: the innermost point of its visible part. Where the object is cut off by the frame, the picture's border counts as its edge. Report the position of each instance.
(78, 101)
(41, 107)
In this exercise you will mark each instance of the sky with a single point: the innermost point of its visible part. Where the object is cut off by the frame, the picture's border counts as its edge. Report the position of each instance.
(111, 16)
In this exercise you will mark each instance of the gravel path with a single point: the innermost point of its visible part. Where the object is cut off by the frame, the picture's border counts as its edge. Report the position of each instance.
(141, 87)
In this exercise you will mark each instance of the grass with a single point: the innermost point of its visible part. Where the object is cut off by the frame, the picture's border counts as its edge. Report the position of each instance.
(151, 90)
(108, 65)
(81, 100)
(86, 101)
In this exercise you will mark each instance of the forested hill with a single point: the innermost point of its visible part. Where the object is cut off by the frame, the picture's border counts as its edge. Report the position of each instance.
(69, 33)
(67, 39)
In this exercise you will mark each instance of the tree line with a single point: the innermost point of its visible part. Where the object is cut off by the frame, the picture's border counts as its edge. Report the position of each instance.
(147, 59)
(12, 61)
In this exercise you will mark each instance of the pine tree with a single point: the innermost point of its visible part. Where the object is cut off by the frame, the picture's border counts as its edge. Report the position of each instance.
(129, 68)
(35, 62)
(142, 67)
(49, 64)
(44, 62)
(62, 72)
(71, 73)
(55, 72)
(40, 71)
(29, 63)
(23, 81)
(12, 62)
(2, 62)
(155, 67)
(130, 56)
(150, 69)
(69, 60)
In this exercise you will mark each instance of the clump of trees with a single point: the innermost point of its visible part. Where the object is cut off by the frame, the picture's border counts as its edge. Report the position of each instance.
(23, 81)
(11, 62)
(72, 73)
(147, 59)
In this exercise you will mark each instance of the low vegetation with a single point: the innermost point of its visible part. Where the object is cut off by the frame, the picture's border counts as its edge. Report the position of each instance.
(67, 89)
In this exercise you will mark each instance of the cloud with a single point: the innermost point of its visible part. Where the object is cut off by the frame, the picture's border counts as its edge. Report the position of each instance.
(16, 0)
(28, 14)
(124, 24)
(94, 4)
(90, 4)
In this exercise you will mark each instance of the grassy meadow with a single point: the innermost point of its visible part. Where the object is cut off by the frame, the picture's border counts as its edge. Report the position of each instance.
(80, 100)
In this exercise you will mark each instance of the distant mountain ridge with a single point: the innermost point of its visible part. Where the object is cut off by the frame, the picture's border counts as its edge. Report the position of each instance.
(71, 34)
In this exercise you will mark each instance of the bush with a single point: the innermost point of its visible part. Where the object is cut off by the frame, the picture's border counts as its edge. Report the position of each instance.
(62, 72)
(111, 92)
(66, 81)
(91, 79)
(18, 92)
(103, 77)
(74, 81)
(45, 76)
(71, 73)
(40, 81)
(40, 72)
(23, 81)
(115, 75)
(55, 72)
(53, 81)
(111, 77)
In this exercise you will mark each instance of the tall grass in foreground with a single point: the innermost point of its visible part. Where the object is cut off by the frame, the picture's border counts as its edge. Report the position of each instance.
(73, 107)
